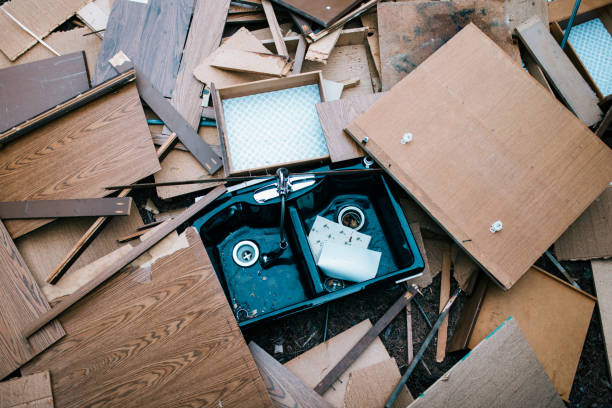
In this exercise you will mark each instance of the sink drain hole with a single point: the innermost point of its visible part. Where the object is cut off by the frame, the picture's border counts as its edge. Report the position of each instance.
(352, 217)
(245, 254)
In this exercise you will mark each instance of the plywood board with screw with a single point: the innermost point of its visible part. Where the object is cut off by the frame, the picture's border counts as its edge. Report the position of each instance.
(459, 113)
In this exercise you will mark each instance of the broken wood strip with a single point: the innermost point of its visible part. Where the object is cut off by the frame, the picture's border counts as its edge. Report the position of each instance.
(22, 302)
(246, 18)
(409, 342)
(68, 106)
(535, 70)
(30, 391)
(284, 388)
(444, 296)
(363, 343)
(78, 207)
(133, 236)
(281, 48)
(155, 236)
(563, 76)
(353, 14)
(251, 62)
(320, 50)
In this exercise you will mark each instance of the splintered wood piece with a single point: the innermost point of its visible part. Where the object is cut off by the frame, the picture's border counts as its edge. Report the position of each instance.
(281, 48)
(160, 232)
(30, 391)
(284, 388)
(513, 376)
(563, 76)
(251, 62)
(21, 302)
(444, 296)
(320, 50)
(602, 277)
(363, 343)
(78, 207)
(158, 335)
(483, 116)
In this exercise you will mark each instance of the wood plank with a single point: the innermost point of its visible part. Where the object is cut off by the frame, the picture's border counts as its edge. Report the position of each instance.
(154, 237)
(335, 116)
(484, 116)
(590, 236)
(90, 143)
(465, 270)
(426, 26)
(467, 319)
(514, 377)
(444, 297)
(519, 11)
(174, 341)
(370, 387)
(251, 62)
(320, 50)
(80, 207)
(563, 76)
(602, 277)
(151, 34)
(284, 388)
(425, 279)
(41, 17)
(281, 48)
(320, 11)
(22, 302)
(30, 89)
(311, 366)
(29, 391)
(561, 10)
(204, 36)
(534, 69)
(95, 16)
(556, 332)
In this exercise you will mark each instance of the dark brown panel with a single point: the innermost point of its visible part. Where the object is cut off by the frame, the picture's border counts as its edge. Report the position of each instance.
(323, 12)
(79, 207)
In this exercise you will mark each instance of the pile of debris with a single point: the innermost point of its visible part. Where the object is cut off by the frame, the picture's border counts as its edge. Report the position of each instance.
(179, 177)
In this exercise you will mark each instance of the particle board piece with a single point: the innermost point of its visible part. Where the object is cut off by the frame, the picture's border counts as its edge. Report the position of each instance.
(22, 302)
(151, 34)
(502, 371)
(556, 332)
(335, 116)
(31, 391)
(320, 50)
(95, 16)
(251, 62)
(320, 11)
(561, 10)
(370, 387)
(41, 17)
(80, 207)
(409, 32)
(63, 42)
(458, 116)
(30, 89)
(44, 248)
(590, 236)
(311, 366)
(444, 297)
(284, 388)
(92, 146)
(562, 75)
(370, 20)
(602, 277)
(186, 348)
(281, 48)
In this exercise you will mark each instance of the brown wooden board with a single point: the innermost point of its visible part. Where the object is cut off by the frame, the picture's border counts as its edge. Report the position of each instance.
(27, 90)
(40, 17)
(21, 302)
(151, 34)
(104, 142)
(30, 391)
(468, 316)
(251, 62)
(602, 277)
(502, 371)
(162, 335)
(481, 153)
(553, 315)
(411, 31)
(370, 387)
(284, 388)
(320, 11)
(444, 297)
(590, 236)
(79, 207)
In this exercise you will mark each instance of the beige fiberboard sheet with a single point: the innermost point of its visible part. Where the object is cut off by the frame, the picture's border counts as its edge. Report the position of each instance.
(488, 144)
(602, 277)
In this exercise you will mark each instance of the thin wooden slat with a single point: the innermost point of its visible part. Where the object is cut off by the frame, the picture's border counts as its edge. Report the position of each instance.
(602, 277)
(284, 388)
(30, 391)
(281, 48)
(80, 207)
(155, 236)
(562, 75)
(459, 113)
(311, 37)
(444, 297)
(251, 62)
(21, 302)
(158, 335)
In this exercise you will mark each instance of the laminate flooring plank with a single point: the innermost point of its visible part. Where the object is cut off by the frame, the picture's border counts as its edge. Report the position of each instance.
(21, 302)
(161, 335)
(27, 90)
(80, 207)
(31, 391)
(76, 156)
(151, 34)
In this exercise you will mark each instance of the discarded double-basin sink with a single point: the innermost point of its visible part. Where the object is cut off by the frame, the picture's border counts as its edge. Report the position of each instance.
(244, 225)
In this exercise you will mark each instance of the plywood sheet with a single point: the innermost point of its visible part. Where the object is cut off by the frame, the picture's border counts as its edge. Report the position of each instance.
(553, 316)
(502, 371)
(590, 236)
(162, 335)
(151, 34)
(311, 366)
(31, 391)
(370, 387)
(27, 90)
(21, 302)
(481, 153)
(411, 31)
(41, 17)
(106, 142)
(602, 277)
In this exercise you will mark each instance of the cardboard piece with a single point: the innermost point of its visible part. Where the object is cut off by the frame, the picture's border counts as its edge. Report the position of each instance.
(480, 152)
(370, 387)
(602, 277)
